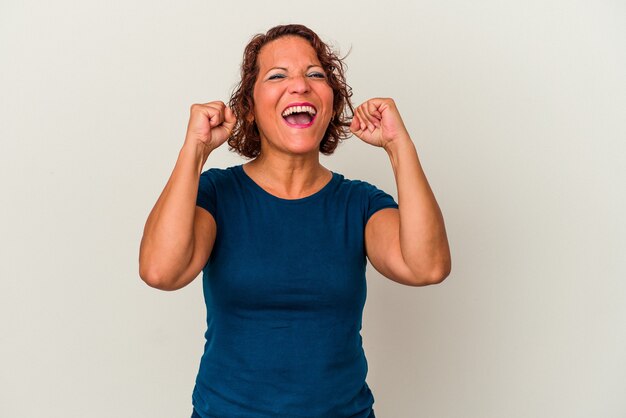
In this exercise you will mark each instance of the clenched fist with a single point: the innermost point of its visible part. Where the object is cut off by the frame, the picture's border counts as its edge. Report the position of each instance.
(210, 124)
(377, 122)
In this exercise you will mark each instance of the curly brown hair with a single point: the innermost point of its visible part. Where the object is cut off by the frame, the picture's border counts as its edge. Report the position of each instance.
(245, 138)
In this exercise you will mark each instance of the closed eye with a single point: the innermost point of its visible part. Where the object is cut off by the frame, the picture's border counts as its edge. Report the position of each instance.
(312, 75)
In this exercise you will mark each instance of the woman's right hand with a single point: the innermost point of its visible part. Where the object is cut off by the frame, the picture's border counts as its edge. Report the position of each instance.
(210, 125)
(178, 237)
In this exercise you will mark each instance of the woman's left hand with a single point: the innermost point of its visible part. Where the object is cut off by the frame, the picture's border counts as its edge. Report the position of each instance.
(377, 122)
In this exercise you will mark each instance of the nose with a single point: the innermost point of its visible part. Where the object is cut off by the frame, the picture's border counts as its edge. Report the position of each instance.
(299, 84)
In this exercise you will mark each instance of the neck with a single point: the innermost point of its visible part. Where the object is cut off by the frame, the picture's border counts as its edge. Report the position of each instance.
(290, 178)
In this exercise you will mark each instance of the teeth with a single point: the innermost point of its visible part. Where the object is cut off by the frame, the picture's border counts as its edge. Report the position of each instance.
(299, 109)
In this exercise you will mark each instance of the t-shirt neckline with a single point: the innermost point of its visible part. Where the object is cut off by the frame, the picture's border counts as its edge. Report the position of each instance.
(253, 185)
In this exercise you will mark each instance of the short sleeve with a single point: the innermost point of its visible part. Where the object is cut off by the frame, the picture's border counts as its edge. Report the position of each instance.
(207, 192)
(377, 200)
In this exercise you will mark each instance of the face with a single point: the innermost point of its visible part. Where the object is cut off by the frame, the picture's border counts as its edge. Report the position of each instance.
(290, 75)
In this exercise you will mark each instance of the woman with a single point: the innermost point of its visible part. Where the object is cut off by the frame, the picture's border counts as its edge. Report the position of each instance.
(282, 240)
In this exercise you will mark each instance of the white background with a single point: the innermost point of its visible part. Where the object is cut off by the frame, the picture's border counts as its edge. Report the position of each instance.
(517, 109)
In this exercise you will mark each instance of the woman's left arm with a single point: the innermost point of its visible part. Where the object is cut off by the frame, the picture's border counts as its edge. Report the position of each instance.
(409, 244)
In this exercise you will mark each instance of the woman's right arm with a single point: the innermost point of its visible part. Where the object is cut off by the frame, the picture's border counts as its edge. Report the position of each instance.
(178, 236)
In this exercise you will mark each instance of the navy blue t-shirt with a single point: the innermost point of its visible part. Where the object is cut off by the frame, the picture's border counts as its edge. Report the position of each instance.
(284, 289)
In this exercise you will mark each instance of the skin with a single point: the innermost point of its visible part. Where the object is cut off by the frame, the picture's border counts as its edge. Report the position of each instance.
(407, 245)
(288, 165)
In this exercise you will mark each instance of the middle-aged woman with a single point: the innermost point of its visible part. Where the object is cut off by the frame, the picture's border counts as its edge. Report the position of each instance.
(283, 241)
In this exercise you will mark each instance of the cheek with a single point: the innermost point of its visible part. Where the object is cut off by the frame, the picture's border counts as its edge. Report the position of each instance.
(330, 99)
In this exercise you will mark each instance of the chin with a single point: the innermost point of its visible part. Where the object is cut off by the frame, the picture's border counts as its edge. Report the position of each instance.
(301, 144)
(303, 149)
(295, 143)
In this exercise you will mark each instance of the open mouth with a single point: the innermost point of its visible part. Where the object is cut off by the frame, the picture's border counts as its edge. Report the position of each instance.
(299, 116)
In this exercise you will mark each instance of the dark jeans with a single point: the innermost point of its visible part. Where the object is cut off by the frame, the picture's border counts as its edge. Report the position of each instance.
(195, 414)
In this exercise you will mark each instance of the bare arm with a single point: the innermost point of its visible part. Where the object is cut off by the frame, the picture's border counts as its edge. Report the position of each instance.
(408, 245)
(178, 236)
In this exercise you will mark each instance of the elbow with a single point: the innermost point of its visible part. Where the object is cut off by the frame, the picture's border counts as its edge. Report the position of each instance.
(438, 277)
(441, 273)
(441, 270)
(435, 275)
(156, 279)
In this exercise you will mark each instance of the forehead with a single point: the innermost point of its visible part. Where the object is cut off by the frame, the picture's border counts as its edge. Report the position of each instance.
(287, 51)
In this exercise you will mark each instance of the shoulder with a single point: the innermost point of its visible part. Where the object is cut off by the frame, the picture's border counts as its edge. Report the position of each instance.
(354, 184)
(215, 181)
(216, 187)
(216, 177)
(215, 173)
(368, 197)
(361, 187)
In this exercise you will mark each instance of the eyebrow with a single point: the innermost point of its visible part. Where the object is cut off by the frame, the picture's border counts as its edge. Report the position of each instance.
(285, 69)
